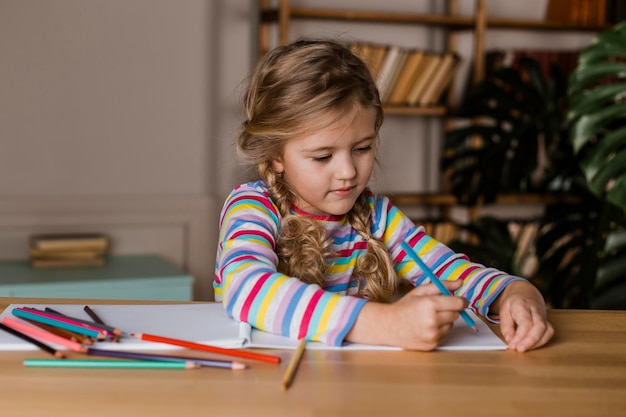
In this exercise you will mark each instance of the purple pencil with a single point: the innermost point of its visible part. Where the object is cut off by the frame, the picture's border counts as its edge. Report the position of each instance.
(214, 363)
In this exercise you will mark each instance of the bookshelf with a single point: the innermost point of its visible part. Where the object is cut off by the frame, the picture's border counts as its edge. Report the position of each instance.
(275, 18)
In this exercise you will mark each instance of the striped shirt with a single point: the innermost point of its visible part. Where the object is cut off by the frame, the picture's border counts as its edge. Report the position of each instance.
(253, 291)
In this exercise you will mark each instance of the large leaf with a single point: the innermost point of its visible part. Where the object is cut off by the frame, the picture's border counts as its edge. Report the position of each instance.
(597, 114)
(495, 247)
(582, 252)
(513, 117)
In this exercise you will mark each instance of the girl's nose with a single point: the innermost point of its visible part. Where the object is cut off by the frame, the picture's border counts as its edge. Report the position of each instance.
(346, 169)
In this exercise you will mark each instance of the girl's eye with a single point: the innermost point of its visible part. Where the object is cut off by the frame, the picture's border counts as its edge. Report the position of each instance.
(321, 158)
(364, 149)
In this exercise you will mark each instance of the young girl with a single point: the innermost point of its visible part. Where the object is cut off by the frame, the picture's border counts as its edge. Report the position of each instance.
(309, 251)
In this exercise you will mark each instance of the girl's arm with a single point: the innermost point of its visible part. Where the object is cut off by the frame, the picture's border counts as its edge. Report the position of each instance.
(480, 285)
(418, 321)
(521, 308)
(253, 291)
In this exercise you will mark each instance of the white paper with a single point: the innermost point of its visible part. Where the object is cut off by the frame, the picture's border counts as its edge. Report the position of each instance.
(208, 323)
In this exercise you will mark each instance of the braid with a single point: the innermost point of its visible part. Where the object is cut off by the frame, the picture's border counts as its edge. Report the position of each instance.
(301, 244)
(374, 268)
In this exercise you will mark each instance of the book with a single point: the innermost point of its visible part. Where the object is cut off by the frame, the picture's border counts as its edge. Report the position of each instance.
(406, 78)
(387, 67)
(389, 83)
(63, 263)
(78, 255)
(71, 241)
(582, 12)
(431, 61)
(565, 59)
(440, 79)
(371, 54)
(208, 323)
(67, 250)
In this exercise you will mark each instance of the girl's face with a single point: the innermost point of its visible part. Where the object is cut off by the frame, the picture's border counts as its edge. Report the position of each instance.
(329, 169)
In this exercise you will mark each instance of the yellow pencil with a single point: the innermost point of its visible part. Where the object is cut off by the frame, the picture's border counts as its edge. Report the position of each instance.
(290, 374)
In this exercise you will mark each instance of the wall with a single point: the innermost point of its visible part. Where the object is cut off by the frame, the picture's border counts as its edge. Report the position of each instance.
(119, 116)
(114, 116)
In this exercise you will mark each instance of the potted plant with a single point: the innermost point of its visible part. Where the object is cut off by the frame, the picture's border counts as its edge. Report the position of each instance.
(581, 247)
(516, 119)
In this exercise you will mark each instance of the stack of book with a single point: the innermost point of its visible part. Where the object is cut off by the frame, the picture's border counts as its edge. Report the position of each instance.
(408, 77)
(583, 12)
(565, 60)
(63, 250)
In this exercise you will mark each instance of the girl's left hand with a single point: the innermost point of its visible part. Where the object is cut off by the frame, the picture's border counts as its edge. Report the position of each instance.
(523, 320)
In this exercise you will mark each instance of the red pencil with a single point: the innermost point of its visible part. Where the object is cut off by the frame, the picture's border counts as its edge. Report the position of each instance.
(208, 348)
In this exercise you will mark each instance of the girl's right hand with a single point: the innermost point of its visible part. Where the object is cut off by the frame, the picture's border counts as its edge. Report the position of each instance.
(417, 321)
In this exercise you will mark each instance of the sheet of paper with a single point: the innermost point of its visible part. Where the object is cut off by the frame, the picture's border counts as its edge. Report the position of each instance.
(461, 337)
(202, 323)
(208, 323)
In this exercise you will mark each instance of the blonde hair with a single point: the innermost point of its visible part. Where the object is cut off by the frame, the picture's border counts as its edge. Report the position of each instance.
(293, 90)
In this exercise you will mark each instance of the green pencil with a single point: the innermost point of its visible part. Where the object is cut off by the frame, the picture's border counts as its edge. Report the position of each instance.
(105, 363)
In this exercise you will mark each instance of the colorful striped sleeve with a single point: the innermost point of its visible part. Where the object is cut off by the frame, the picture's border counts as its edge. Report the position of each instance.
(252, 290)
(481, 285)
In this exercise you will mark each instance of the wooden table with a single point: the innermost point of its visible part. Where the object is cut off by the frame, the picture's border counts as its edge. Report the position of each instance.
(582, 372)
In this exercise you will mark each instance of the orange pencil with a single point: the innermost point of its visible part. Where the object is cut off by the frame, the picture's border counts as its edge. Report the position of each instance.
(208, 348)
(38, 333)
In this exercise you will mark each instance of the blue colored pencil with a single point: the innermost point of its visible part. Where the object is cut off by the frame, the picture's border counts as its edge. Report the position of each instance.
(105, 363)
(18, 312)
(433, 278)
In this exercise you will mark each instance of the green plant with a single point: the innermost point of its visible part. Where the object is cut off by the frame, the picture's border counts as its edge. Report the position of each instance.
(582, 247)
(495, 248)
(597, 114)
(513, 121)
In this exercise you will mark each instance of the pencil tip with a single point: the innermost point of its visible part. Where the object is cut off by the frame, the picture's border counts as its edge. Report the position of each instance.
(239, 366)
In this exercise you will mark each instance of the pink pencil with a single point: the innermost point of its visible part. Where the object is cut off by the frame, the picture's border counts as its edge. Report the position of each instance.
(66, 320)
(38, 333)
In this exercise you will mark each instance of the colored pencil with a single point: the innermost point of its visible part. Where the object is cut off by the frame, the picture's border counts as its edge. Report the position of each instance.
(90, 323)
(93, 315)
(55, 321)
(433, 278)
(40, 345)
(70, 320)
(41, 334)
(96, 318)
(208, 348)
(159, 357)
(105, 363)
(80, 338)
(290, 374)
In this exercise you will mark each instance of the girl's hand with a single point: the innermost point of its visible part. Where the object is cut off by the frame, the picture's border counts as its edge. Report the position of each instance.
(418, 321)
(523, 321)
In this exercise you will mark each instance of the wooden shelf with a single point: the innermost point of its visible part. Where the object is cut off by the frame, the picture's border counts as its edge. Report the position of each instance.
(271, 15)
(499, 23)
(281, 13)
(415, 111)
(444, 199)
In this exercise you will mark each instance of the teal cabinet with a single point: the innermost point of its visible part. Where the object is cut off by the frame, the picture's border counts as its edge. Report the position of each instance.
(142, 277)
